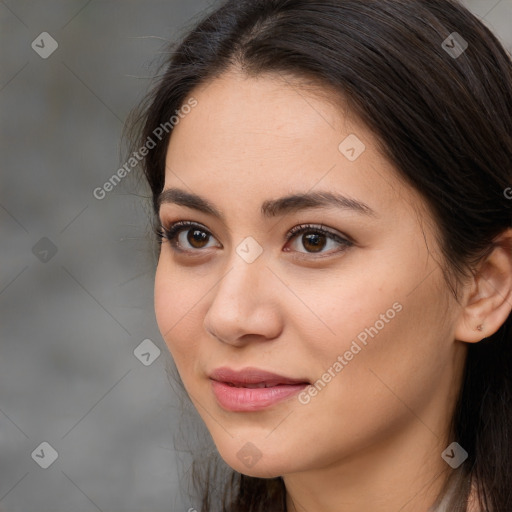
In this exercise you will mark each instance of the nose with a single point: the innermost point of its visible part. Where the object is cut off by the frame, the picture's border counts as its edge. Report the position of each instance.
(245, 304)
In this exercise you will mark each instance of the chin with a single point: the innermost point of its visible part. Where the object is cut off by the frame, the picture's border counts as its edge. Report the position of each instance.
(259, 470)
(251, 461)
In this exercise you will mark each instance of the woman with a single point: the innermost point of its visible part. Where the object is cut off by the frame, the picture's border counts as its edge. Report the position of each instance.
(329, 185)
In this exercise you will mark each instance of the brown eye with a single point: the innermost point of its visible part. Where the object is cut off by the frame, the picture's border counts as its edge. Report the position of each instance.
(197, 238)
(185, 236)
(314, 242)
(317, 238)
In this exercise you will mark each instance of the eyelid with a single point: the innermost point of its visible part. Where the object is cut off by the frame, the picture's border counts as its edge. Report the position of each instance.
(321, 228)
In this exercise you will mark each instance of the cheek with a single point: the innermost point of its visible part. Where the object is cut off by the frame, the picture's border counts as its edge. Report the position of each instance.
(391, 353)
(366, 339)
(176, 312)
(343, 310)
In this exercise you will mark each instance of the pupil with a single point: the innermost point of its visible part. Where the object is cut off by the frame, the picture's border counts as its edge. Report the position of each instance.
(196, 236)
(316, 240)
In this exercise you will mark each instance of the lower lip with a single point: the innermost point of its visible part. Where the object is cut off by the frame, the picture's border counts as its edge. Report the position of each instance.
(252, 399)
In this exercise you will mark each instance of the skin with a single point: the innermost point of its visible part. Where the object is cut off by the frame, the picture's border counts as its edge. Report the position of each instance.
(372, 438)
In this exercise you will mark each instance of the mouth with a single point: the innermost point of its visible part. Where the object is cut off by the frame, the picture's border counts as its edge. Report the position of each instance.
(252, 378)
(252, 389)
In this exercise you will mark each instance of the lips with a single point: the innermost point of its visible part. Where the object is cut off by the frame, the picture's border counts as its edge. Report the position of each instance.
(252, 378)
(252, 389)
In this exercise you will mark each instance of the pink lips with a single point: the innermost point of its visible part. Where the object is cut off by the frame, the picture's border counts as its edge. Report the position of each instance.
(252, 389)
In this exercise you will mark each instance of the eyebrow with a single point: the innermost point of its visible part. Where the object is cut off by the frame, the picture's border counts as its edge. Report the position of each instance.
(271, 208)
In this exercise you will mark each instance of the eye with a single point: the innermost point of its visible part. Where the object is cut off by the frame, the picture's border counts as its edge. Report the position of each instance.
(316, 238)
(195, 236)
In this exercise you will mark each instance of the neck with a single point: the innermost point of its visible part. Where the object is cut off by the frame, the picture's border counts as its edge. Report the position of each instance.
(404, 472)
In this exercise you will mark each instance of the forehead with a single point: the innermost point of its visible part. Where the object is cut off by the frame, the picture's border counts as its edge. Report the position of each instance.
(258, 109)
(269, 136)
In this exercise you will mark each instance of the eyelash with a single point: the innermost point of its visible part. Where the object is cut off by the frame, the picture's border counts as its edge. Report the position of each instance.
(170, 234)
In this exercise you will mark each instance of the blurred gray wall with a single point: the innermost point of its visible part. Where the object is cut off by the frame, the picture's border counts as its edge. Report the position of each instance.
(82, 390)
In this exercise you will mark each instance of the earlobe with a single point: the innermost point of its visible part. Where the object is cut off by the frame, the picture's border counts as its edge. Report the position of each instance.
(488, 300)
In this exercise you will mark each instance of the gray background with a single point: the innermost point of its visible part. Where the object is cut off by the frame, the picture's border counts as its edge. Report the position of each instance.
(69, 325)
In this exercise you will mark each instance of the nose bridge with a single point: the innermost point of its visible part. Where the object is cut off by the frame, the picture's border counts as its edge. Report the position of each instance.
(241, 285)
(241, 302)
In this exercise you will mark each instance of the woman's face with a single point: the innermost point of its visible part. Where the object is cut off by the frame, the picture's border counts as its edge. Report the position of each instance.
(362, 314)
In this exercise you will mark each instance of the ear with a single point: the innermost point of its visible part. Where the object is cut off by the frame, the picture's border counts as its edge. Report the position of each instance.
(488, 299)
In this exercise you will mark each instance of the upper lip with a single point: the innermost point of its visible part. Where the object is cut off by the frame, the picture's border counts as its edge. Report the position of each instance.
(252, 375)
